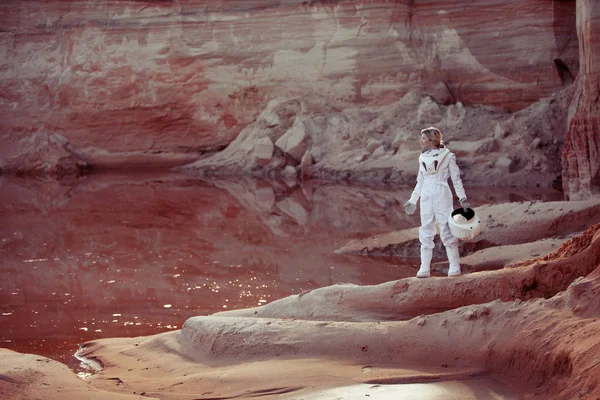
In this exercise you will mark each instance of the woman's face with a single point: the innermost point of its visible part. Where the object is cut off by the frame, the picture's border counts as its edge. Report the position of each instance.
(427, 144)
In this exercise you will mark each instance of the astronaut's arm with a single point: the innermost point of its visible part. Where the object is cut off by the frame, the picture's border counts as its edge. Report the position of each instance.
(417, 191)
(455, 176)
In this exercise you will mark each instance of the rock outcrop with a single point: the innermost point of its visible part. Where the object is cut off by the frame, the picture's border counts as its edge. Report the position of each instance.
(581, 154)
(41, 153)
(537, 221)
(130, 84)
(380, 144)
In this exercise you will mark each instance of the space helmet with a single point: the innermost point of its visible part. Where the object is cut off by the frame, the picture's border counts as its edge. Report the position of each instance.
(464, 224)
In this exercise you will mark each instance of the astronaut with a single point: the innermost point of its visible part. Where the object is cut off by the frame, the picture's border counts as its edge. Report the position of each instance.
(436, 165)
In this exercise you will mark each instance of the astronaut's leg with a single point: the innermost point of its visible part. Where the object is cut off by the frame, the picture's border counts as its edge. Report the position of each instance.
(426, 256)
(451, 245)
(454, 259)
(442, 212)
(426, 235)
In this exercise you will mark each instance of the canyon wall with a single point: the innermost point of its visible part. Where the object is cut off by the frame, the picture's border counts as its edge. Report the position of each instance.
(581, 154)
(128, 84)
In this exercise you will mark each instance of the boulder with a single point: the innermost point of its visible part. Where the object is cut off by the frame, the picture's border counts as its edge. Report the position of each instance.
(295, 141)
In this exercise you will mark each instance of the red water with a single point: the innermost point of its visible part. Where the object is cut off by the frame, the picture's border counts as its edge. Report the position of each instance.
(115, 256)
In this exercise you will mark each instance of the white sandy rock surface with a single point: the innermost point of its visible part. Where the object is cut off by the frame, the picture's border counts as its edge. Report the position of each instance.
(501, 225)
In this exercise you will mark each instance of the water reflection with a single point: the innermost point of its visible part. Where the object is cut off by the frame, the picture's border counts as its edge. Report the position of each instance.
(114, 255)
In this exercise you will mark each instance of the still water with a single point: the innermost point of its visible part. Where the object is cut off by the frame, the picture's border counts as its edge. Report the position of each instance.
(129, 255)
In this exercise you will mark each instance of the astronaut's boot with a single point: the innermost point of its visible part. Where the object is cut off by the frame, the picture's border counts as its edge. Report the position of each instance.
(426, 255)
(454, 259)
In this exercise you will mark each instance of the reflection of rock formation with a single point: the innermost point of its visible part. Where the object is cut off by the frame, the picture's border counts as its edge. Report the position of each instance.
(352, 210)
(77, 252)
(581, 153)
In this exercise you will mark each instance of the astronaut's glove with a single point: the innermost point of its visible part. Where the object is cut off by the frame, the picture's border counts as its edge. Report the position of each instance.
(464, 203)
(410, 208)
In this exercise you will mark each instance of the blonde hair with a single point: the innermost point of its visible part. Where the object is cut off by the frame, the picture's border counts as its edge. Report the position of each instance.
(434, 135)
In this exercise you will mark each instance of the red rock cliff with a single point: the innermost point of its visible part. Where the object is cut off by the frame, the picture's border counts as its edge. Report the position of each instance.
(581, 154)
(125, 83)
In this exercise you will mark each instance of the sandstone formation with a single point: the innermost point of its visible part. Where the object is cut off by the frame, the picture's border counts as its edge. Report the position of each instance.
(160, 84)
(581, 154)
(537, 221)
(380, 144)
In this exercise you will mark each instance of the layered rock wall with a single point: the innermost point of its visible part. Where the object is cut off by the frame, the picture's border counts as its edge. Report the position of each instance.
(135, 83)
(581, 154)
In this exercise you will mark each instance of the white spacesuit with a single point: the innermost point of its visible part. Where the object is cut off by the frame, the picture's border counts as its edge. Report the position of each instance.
(435, 167)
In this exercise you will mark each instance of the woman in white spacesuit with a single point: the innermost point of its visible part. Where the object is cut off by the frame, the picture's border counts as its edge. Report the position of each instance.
(436, 165)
